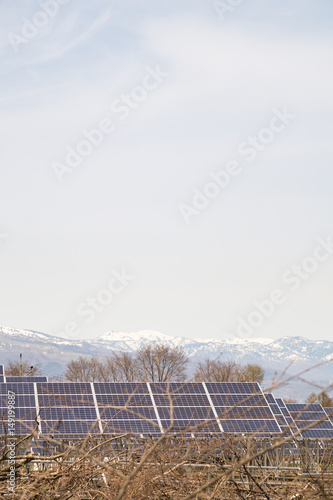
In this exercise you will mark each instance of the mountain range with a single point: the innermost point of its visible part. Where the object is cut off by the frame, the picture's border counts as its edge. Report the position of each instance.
(281, 358)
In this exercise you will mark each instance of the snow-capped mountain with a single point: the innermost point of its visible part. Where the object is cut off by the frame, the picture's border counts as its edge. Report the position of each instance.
(296, 353)
(285, 348)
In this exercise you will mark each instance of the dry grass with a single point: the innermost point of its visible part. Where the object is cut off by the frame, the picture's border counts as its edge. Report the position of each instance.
(168, 468)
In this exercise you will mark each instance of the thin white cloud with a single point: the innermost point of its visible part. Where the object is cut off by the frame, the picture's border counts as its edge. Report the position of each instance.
(60, 40)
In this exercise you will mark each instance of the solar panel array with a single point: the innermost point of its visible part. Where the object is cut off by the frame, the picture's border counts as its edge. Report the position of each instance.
(68, 410)
(312, 416)
(185, 408)
(291, 426)
(2, 378)
(126, 407)
(279, 414)
(242, 408)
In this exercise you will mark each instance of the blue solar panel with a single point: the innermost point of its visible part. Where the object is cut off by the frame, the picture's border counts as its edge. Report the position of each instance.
(26, 379)
(66, 400)
(251, 426)
(120, 388)
(243, 412)
(17, 388)
(270, 399)
(68, 409)
(238, 400)
(119, 400)
(278, 413)
(313, 416)
(233, 388)
(191, 426)
(182, 400)
(130, 426)
(130, 412)
(59, 427)
(186, 412)
(317, 434)
(176, 388)
(139, 416)
(242, 408)
(68, 413)
(301, 407)
(20, 428)
(329, 413)
(18, 408)
(64, 388)
(27, 400)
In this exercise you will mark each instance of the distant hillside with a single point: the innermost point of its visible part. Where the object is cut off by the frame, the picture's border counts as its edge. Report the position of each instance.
(296, 353)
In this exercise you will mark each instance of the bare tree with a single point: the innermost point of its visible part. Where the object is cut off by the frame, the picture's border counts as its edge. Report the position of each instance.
(24, 369)
(161, 363)
(227, 371)
(85, 369)
(217, 371)
(322, 398)
(126, 367)
(120, 367)
(253, 373)
(289, 400)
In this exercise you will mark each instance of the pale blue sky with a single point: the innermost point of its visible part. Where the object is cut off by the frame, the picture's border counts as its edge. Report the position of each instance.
(120, 207)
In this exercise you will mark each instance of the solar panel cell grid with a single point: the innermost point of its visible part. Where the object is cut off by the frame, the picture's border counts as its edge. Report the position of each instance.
(107, 413)
(137, 426)
(177, 388)
(244, 413)
(270, 398)
(238, 400)
(281, 420)
(318, 434)
(20, 401)
(250, 426)
(275, 409)
(21, 413)
(189, 412)
(308, 415)
(185, 424)
(66, 413)
(17, 388)
(69, 427)
(64, 388)
(26, 379)
(233, 388)
(66, 400)
(123, 400)
(315, 424)
(120, 388)
(280, 402)
(182, 400)
(124, 415)
(298, 407)
(20, 428)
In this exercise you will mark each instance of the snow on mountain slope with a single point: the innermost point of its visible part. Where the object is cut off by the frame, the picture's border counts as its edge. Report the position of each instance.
(296, 353)
(285, 348)
(268, 352)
